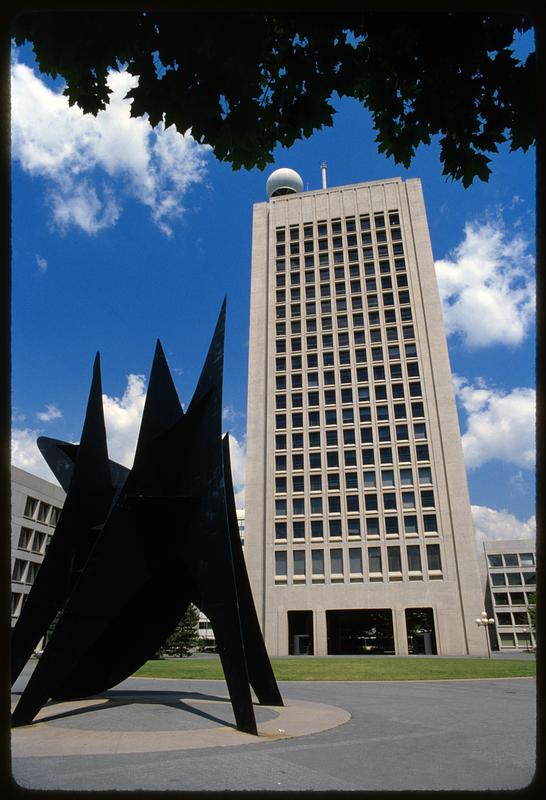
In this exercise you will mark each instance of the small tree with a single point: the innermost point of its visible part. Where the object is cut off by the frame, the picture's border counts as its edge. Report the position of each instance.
(185, 636)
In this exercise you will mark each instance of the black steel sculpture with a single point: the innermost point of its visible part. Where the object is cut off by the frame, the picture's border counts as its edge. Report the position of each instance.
(133, 548)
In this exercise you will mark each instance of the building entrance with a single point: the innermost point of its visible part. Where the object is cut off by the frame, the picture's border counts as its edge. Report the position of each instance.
(360, 631)
(420, 631)
(300, 633)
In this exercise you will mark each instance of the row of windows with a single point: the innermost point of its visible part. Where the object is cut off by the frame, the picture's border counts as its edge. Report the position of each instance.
(344, 357)
(328, 342)
(368, 435)
(511, 599)
(389, 500)
(522, 639)
(24, 571)
(386, 456)
(374, 556)
(375, 335)
(372, 302)
(337, 242)
(387, 477)
(33, 541)
(362, 414)
(410, 525)
(512, 578)
(322, 227)
(379, 252)
(515, 618)
(40, 511)
(346, 396)
(511, 559)
(383, 268)
(355, 284)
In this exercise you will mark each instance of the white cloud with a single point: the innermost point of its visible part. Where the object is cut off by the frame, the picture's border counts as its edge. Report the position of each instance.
(500, 425)
(51, 413)
(491, 524)
(486, 286)
(92, 163)
(25, 453)
(122, 417)
(41, 263)
(237, 455)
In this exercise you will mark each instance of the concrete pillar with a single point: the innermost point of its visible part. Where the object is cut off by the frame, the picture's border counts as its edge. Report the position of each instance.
(321, 641)
(400, 632)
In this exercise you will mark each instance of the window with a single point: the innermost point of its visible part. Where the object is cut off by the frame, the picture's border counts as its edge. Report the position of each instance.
(422, 452)
(369, 480)
(387, 477)
(410, 524)
(529, 578)
(374, 559)
(391, 526)
(297, 400)
(299, 562)
(280, 564)
(332, 459)
(425, 475)
(498, 579)
(406, 477)
(427, 498)
(385, 455)
(314, 438)
(517, 598)
(393, 559)
(370, 502)
(366, 435)
(384, 433)
(315, 460)
(430, 523)
(280, 484)
(317, 530)
(495, 560)
(433, 558)
(527, 559)
(352, 502)
(414, 558)
(25, 539)
(298, 530)
(31, 505)
(298, 506)
(316, 505)
(317, 562)
(298, 483)
(297, 420)
(280, 421)
(404, 454)
(355, 561)
(402, 432)
(511, 559)
(372, 526)
(389, 501)
(408, 500)
(336, 561)
(514, 579)
(297, 461)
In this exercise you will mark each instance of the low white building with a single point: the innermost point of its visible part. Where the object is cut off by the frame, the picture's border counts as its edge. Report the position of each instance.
(510, 575)
(35, 508)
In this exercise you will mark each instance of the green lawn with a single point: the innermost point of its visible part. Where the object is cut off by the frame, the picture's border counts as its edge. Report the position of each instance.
(351, 669)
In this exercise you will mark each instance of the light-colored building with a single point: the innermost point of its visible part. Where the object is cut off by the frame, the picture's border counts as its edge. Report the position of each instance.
(359, 536)
(35, 508)
(510, 590)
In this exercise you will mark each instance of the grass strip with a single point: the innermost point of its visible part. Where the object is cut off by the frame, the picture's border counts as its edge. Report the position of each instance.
(351, 669)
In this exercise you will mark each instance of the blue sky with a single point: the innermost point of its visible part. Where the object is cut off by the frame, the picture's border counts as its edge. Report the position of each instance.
(122, 235)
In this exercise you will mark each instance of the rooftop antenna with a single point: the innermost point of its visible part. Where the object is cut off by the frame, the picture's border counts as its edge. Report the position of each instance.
(323, 170)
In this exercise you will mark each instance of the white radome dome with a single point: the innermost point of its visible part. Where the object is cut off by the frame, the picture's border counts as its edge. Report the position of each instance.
(283, 181)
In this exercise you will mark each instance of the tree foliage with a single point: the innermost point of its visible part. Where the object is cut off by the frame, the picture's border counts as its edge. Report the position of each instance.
(247, 82)
(185, 637)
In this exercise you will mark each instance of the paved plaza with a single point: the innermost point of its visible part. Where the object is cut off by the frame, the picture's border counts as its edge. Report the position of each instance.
(156, 734)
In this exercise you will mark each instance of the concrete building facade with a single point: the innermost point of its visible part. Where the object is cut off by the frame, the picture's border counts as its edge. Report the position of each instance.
(35, 508)
(510, 590)
(359, 536)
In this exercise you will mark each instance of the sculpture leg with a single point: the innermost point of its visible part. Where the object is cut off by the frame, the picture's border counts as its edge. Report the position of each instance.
(229, 641)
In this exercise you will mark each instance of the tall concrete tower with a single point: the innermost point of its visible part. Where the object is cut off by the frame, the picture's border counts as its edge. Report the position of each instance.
(359, 536)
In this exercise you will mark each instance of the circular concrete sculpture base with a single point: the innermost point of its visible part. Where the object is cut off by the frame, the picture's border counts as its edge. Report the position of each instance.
(140, 723)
